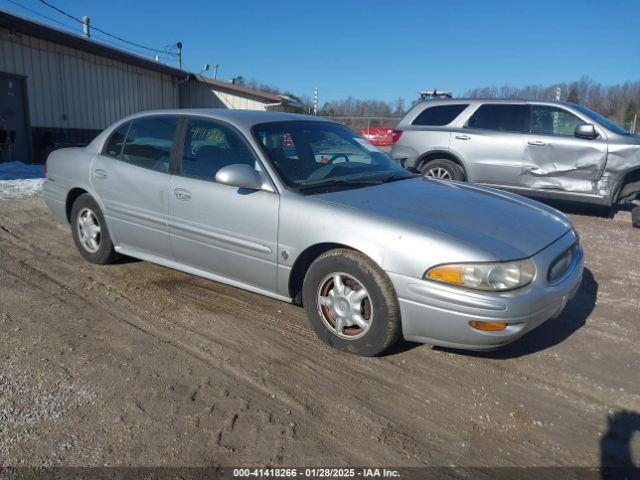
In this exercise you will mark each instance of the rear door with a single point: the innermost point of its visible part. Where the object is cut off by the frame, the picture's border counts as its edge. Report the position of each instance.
(224, 230)
(131, 177)
(492, 143)
(554, 158)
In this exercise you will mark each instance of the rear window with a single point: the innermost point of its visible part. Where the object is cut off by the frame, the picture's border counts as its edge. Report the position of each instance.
(149, 143)
(505, 118)
(439, 115)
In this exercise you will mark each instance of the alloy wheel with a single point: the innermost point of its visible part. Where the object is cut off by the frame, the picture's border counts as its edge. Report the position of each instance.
(439, 172)
(89, 230)
(345, 306)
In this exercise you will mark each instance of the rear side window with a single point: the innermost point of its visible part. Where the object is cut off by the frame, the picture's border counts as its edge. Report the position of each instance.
(113, 146)
(504, 118)
(149, 143)
(439, 115)
(210, 146)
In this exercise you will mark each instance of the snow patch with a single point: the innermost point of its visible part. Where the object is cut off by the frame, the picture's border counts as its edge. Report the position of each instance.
(19, 180)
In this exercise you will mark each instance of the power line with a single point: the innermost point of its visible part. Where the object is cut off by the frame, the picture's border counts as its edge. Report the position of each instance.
(120, 39)
(73, 30)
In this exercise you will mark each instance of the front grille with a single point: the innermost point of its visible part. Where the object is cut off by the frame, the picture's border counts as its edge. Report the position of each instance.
(561, 265)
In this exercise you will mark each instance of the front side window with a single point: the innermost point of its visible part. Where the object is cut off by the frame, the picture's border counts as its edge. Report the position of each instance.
(210, 146)
(503, 118)
(113, 146)
(439, 115)
(149, 143)
(547, 120)
(311, 156)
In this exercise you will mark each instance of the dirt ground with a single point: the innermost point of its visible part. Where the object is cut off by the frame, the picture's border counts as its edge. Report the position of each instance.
(135, 364)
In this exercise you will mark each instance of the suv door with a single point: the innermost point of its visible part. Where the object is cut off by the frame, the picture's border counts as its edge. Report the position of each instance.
(492, 143)
(131, 177)
(555, 159)
(224, 230)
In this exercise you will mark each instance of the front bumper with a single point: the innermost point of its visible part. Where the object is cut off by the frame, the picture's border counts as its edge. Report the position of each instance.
(438, 314)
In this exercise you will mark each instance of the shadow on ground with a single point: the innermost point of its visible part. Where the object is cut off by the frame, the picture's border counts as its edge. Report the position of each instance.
(616, 459)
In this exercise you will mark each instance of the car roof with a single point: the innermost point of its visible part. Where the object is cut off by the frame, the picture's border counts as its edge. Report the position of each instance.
(241, 118)
(514, 101)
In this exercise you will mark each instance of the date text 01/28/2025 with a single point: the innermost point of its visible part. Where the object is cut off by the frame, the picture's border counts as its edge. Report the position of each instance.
(315, 473)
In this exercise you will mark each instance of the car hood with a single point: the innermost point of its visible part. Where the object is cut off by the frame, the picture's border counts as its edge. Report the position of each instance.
(505, 225)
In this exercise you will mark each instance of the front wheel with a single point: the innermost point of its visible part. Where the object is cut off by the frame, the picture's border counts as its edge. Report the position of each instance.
(442, 169)
(351, 303)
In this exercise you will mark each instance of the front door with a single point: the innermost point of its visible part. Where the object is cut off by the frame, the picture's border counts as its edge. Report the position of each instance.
(555, 159)
(131, 177)
(227, 231)
(13, 118)
(492, 143)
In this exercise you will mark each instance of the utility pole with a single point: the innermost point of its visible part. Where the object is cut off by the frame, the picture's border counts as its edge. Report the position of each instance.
(215, 71)
(179, 47)
(633, 125)
(558, 92)
(86, 24)
(315, 101)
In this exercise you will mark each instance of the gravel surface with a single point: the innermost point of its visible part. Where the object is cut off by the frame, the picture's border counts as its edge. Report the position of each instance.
(135, 364)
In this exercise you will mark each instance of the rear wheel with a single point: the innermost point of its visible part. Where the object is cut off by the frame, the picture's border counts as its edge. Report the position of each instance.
(442, 169)
(90, 232)
(351, 303)
(635, 216)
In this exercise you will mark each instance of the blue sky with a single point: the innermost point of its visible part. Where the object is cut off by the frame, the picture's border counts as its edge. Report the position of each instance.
(381, 49)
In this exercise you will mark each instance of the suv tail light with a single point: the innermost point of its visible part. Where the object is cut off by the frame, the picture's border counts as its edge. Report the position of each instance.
(396, 136)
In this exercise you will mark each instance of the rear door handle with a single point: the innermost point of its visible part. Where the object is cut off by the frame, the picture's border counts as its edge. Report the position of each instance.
(536, 143)
(463, 137)
(182, 194)
(100, 173)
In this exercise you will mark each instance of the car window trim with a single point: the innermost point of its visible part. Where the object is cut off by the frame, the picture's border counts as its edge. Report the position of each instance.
(183, 137)
(516, 132)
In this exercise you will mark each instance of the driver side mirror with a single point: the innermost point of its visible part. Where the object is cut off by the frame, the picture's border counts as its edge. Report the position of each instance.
(240, 175)
(586, 131)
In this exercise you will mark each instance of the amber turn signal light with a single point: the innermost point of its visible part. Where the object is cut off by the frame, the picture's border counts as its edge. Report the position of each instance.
(488, 326)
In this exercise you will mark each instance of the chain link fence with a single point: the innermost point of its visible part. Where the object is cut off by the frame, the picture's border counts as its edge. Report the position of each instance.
(364, 123)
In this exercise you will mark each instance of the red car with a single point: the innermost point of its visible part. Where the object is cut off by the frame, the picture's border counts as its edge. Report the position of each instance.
(378, 136)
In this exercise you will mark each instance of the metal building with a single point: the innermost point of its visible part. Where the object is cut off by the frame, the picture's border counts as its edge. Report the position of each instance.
(59, 89)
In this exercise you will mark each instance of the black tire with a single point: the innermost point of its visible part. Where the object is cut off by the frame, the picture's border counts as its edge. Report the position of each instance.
(635, 217)
(105, 253)
(452, 169)
(384, 327)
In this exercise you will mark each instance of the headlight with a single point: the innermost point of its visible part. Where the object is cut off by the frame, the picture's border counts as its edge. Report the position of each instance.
(494, 277)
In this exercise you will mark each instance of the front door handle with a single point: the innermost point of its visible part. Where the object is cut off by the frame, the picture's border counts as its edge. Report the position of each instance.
(100, 173)
(536, 143)
(182, 194)
(463, 137)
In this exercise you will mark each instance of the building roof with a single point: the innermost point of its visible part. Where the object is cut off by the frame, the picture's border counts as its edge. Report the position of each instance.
(26, 26)
(245, 91)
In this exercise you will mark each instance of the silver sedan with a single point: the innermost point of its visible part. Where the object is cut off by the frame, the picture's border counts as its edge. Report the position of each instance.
(304, 210)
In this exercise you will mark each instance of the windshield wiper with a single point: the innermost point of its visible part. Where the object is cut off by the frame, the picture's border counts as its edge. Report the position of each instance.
(354, 183)
(336, 183)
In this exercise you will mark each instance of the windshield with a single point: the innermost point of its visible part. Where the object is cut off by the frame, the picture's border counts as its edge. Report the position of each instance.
(602, 120)
(314, 156)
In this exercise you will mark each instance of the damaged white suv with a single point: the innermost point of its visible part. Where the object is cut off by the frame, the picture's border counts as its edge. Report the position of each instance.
(542, 149)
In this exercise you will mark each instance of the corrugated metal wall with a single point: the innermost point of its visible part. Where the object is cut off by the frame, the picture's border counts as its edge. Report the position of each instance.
(73, 89)
(194, 94)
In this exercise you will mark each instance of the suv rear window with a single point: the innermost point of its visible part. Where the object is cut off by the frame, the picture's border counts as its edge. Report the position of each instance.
(439, 115)
(505, 118)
